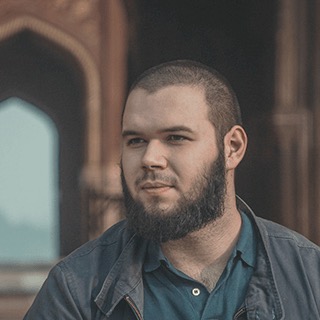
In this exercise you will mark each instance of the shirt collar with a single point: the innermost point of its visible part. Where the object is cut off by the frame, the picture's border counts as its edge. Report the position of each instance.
(154, 257)
(246, 245)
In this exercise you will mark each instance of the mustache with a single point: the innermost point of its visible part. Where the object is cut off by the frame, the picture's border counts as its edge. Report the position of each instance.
(156, 176)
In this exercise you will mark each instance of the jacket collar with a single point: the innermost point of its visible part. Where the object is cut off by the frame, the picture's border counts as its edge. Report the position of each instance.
(262, 300)
(125, 278)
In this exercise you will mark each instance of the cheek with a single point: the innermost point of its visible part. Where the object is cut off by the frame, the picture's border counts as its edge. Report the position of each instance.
(130, 158)
(196, 160)
(185, 170)
(194, 166)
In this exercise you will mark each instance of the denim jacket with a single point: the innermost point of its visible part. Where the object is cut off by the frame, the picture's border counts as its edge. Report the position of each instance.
(103, 280)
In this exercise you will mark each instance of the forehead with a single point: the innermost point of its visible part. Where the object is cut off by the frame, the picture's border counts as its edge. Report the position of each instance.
(170, 105)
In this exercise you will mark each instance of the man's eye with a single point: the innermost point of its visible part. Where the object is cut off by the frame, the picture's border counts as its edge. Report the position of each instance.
(135, 141)
(176, 138)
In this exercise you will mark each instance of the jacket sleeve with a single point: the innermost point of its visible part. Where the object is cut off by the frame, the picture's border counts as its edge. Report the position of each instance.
(55, 299)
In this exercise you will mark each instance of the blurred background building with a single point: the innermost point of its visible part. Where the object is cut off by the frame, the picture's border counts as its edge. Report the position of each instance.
(65, 66)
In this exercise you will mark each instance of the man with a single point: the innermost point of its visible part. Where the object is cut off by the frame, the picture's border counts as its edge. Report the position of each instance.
(189, 248)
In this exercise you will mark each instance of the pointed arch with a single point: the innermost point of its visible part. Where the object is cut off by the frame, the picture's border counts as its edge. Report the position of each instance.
(43, 58)
(90, 174)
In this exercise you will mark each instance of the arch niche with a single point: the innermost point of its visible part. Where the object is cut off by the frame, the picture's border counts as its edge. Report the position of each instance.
(50, 69)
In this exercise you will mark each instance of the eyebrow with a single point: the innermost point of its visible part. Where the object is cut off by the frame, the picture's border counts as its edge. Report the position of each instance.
(178, 129)
(126, 133)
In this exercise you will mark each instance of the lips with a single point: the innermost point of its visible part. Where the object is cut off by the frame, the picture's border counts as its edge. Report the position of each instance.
(155, 187)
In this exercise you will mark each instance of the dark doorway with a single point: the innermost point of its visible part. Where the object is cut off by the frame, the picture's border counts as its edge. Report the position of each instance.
(238, 39)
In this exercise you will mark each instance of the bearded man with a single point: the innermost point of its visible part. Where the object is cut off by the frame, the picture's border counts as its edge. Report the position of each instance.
(189, 248)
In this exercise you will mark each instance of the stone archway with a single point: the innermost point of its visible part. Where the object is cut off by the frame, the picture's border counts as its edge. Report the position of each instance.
(92, 82)
(58, 47)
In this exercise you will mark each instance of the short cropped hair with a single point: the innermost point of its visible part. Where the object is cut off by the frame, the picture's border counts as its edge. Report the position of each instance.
(223, 112)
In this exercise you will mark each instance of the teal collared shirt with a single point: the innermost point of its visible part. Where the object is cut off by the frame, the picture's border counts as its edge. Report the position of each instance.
(170, 294)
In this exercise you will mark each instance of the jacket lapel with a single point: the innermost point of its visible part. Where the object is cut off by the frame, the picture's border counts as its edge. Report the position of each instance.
(125, 278)
(263, 299)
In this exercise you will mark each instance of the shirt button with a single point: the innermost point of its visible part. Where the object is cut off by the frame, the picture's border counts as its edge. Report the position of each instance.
(195, 292)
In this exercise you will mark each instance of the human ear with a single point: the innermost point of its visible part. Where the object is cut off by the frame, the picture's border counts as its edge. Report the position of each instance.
(235, 145)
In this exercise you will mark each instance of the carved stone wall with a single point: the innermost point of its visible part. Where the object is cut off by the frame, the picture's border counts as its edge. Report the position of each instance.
(94, 32)
(80, 19)
(92, 36)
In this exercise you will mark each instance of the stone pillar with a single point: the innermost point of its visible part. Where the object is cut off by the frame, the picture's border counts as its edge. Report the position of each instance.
(292, 117)
(108, 201)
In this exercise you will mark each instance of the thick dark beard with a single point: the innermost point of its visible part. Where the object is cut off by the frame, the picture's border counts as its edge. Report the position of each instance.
(204, 203)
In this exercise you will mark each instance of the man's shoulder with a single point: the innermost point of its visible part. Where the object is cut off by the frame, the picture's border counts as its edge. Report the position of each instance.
(280, 236)
(274, 233)
(102, 251)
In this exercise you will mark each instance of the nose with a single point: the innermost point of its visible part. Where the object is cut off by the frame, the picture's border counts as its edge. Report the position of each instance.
(154, 156)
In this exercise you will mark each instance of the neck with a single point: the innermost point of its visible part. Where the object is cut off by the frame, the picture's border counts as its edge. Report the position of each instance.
(203, 254)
